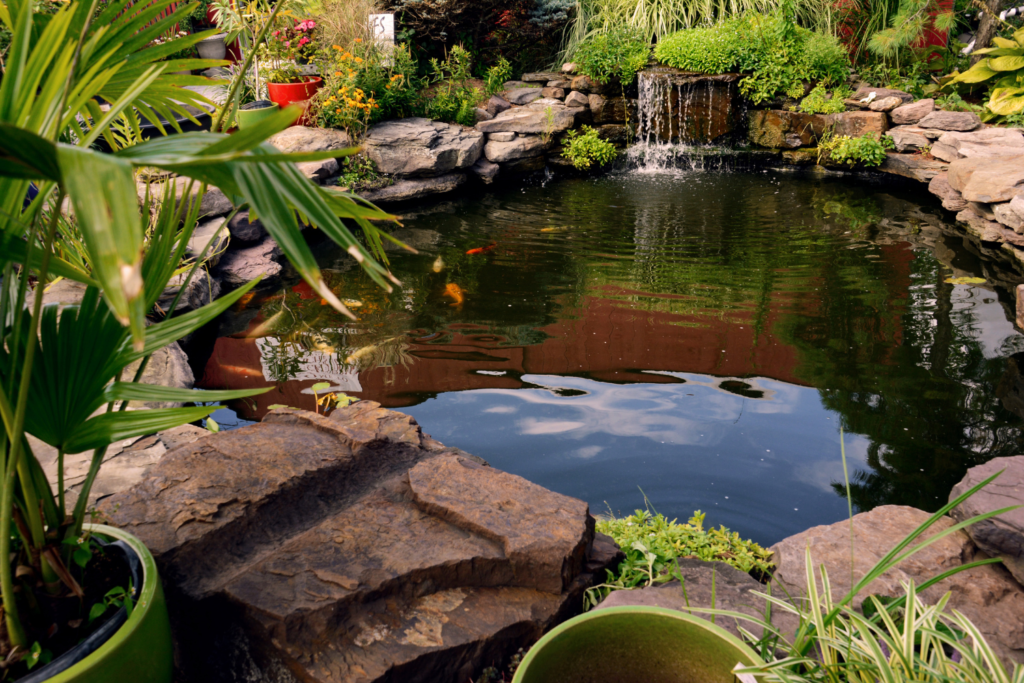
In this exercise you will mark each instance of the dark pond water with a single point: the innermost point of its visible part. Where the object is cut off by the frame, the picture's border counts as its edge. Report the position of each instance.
(698, 338)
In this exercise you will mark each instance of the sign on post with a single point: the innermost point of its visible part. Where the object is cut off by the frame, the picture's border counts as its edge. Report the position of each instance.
(382, 32)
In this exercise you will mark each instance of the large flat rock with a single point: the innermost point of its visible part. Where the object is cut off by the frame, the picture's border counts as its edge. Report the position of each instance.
(421, 147)
(988, 179)
(535, 120)
(355, 548)
(1001, 536)
(987, 595)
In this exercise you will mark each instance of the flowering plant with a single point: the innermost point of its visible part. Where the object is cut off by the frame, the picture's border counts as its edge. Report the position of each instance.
(285, 48)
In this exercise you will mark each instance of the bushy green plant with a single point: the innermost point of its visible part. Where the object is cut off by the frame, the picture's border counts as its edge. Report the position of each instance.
(867, 150)
(777, 55)
(818, 102)
(1003, 70)
(617, 54)
(908, 24)
(652, 543)
(584, 148)
(497, 74)
(452, 99)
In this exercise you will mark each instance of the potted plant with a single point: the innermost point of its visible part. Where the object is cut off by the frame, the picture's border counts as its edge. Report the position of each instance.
(83, 603)
(286, 84)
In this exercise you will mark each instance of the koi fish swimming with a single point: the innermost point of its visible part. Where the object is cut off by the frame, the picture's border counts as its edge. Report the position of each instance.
(454, 292)
(481, 250)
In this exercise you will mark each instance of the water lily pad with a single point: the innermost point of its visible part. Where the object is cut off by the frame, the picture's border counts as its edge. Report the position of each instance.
(965, 280)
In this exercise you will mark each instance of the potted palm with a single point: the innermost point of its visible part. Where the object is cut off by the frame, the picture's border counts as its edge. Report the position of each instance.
(82, 602)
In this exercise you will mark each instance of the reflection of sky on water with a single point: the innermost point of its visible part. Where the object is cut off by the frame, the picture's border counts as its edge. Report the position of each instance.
(761, 466)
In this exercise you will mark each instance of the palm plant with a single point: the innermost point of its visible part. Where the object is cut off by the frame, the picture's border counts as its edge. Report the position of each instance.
(67, 210)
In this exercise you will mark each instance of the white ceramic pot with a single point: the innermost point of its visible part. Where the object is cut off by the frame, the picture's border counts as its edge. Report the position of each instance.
(213, 47)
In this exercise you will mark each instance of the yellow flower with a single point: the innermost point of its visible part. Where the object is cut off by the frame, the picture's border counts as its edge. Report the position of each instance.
(359, 60)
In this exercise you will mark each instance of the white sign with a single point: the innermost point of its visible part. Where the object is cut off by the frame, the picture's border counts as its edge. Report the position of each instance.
(382, 32)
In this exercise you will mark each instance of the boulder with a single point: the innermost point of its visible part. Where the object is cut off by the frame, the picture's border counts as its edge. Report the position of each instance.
(945, 152)
(912, 166)
(355, 548)
(545, 102)
(569, 67)
(979, 226)
(214, 202)
(495, 105)
(985, 142)
(615, 133)
(595, 102)
(480, 114)
(512, 85)
(800, 157)
(415, 188)
(306, 139)
(523, 95)
(908, 138)
(63, 292)
(912, 113)
(578, 99)
(612, 110)
(527, 165)
(885, 104)
(1001, 536)
(318, 171)
(586, 84)
(167, 367)
(485, 170)
(244, 230)
(987, 595)
(714, 585)
(238, 266)
(858, 123)
(983, 210)
(201, 290)
(211, 237)
(560, 83)
(421, 147)
(500, 137)
(881, 94)
(522, 147)
(951, 199)
(553, 93)
(780, 129)
(988, 179)
(541, 77)
(1017, 205)
(1008, 217)
(951, 120)
(544, 121)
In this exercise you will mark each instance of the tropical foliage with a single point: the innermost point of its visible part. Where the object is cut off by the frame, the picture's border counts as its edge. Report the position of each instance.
(1003, 70)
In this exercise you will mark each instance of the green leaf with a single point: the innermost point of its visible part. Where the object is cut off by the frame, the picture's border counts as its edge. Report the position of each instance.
(23, 154)
(1004, 42)
(1006, 101)
(14, 248)
(276, 406)
(976, 74)
(107, 428)
(133, 391)
(97, 611)
(321, 386)
(81, 556)
(212, 425)
(1007, 63)
(965, 280)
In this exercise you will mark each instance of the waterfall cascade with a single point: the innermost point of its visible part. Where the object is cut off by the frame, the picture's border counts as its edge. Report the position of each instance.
(681, 115)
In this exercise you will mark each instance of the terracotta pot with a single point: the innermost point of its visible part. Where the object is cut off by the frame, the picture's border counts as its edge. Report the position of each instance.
(284, 94)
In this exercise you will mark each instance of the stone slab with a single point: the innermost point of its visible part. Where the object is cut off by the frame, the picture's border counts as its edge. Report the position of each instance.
(415, 188)
(1001, 536)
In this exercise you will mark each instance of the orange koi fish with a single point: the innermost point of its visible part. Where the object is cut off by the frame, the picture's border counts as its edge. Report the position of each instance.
(481, 250)
(455, 292)
(242, 371)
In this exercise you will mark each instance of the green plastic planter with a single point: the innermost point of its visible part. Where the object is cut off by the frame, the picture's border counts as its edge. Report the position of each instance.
(141, 650)
(635, 644)
(249, 115)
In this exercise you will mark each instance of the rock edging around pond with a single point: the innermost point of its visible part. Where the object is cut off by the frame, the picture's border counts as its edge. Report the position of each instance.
(355, 548)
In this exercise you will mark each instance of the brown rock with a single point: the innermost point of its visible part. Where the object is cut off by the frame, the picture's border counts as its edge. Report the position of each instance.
(885, 104)
(912, 166)
(983, 210)
(908, 139)
(1020, 305)
(776, 128)
(858, 123)
(912, 113)
(586, 84)
(1008, 217)
(988, 179)
(951, 120)
(542, 121)
(595, 102)
(612, 110)
(1001, 536)
(541, 77)
(615, 133)
(527, 165)
(951, 199)
(308, 139)
(244, 230)
(569, 67)
(800, 157)
(561, 83)
(485, 170)
(238, 266)
(554, 93)
(1017, 205)
(941, 150)
(985, 142)
(523, 95)
(696, 107)
(979, 226)
(578, 99)
(356, 548)
(481, 114)
(987, 595)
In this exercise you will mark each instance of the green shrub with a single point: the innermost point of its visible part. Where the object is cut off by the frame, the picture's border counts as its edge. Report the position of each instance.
(497, 74)
(616, 54)
(585, 148)
(652, 543)
(452, 99)
(866, 150)
(777, 55)
(817, 101)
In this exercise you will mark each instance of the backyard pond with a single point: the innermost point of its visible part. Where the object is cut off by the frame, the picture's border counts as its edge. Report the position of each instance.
(697, 338)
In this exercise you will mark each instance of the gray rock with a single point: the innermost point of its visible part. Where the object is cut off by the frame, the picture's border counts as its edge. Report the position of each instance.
(547, 120)
(907, 139)
(541, 77)
(416, 188)
(987, 595)
(731, 592)
(243, 230)
(941, 150)
(983, 210)
(421, 147)
(482, 115)
(578, 99)
(912, 113)
(527, 165)
(1003, 535)
(615, 133)
(214, 202)
(495, 105)
(213, 236)
(523, 95)
(553, 93)
(305, 139)
(167, 367)
(980, 143)
(569, 67)
(988, 180)
(951, 199)
(1008, 217)
(979, 226)
(1017, 205)
(951, 120)
(561, 83)
(595, 102)
(63, 292)
(485, 170)
(612, 110)
(885, 104)
(239, 266)
(881, 93)
(912, 166)
(520, 148)
(513, 85)
(201, 290)
(318, 171)
(501, 137)
(545, 102)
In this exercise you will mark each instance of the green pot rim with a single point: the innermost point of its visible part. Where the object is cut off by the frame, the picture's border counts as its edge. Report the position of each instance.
(607, 612)
(150, 584)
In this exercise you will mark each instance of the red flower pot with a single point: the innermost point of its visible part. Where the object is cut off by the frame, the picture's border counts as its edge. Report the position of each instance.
(295, 93)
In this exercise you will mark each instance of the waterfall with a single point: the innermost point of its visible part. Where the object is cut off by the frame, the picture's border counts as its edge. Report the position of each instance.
(680, 116)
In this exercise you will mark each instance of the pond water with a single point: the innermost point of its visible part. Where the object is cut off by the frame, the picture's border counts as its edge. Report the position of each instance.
(697, 338)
